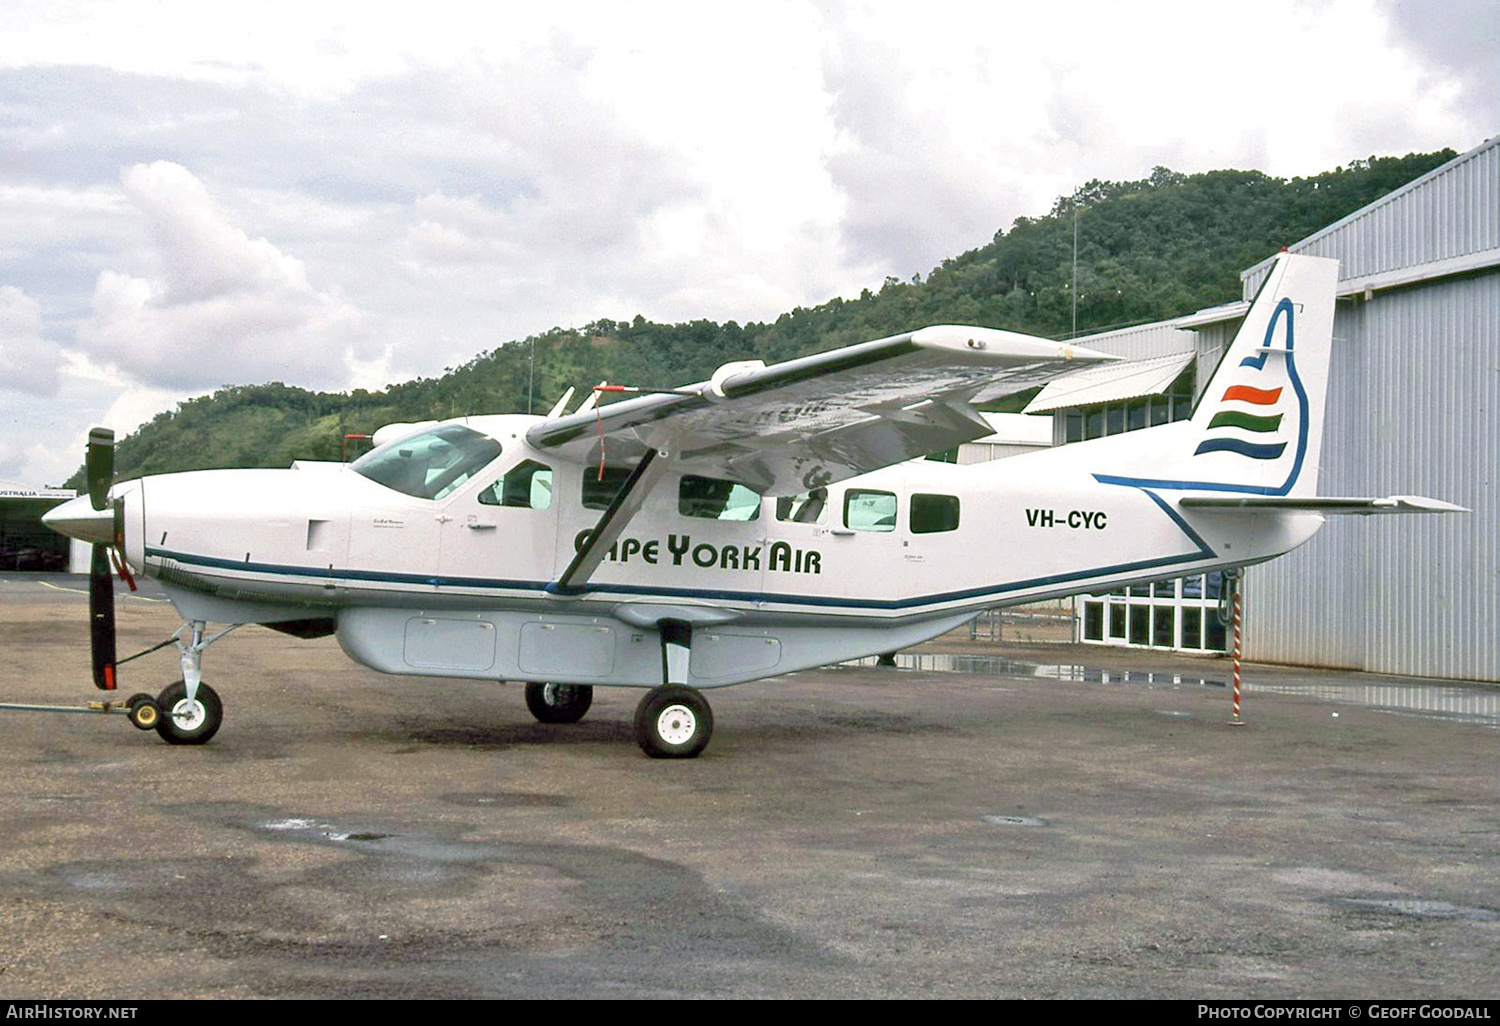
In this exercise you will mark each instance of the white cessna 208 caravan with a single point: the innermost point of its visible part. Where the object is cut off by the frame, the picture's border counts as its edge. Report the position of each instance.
(768, 520)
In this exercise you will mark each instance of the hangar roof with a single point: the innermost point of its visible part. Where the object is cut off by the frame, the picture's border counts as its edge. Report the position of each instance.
(1444, 223)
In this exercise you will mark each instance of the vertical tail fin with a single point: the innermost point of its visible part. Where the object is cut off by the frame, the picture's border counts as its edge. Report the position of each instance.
(1258, 427)
(1259, 424)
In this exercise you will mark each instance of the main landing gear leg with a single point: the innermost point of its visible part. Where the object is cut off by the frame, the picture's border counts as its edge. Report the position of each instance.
(674, 721)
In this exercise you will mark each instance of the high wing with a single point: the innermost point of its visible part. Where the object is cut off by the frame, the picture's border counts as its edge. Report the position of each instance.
(809, 422)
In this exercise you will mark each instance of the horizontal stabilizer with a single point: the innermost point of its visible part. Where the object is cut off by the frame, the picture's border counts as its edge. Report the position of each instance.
(1327, 505)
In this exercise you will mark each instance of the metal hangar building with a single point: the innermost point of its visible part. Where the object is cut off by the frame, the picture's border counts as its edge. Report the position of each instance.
(1413, 408)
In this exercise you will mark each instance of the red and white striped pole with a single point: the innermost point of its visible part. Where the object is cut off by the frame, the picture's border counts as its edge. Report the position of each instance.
(1236, 586)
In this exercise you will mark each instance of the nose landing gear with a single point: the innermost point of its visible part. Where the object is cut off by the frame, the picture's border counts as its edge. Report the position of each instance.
(188, 712)
(188, 721)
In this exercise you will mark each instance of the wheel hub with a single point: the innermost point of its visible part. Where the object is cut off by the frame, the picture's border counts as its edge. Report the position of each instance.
(676, 724)
(188, 715)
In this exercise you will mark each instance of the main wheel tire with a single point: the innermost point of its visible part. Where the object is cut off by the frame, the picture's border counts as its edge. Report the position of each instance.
(673, 722)
(559, 703)
(188, 723)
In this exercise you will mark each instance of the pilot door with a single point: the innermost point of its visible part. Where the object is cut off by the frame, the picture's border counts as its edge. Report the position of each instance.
(502, 533)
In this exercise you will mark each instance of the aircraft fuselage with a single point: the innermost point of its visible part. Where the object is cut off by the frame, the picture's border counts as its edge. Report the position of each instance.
(464, 584)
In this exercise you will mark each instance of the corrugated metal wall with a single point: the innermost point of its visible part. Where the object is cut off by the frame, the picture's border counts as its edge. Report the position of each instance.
(1211, 343)
(1413, 407)
(1142, 342)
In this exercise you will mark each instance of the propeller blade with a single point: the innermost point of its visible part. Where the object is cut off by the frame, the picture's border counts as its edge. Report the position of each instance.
(99, 464)
(102, 618)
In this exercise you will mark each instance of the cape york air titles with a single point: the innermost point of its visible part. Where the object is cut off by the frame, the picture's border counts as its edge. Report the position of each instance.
(679, 550)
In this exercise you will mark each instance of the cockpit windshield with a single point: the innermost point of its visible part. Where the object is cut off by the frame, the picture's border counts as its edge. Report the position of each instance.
(431, 464)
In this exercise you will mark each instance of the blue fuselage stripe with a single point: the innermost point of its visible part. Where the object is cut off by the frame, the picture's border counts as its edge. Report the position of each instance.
(913, 603)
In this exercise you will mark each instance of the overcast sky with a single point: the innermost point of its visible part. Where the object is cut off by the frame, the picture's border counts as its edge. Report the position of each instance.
(349, 194)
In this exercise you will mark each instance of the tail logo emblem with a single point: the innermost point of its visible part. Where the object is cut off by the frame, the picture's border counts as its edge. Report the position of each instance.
(1250, 411)
(1249, 420)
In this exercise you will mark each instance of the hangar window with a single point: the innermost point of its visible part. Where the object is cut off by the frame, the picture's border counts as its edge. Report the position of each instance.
(716, 500)
(429, 465)
(600, 486)
(1180, 613)
(527, 485)
(805, 508)
(866, 510)
(934, 514)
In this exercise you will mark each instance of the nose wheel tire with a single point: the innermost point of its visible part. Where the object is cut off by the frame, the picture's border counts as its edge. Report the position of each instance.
(143, 711)
(559, 703)
(673, 722)
(188, 723)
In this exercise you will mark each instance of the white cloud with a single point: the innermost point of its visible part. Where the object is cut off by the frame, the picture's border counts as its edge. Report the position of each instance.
(28, 362)
(220, 307)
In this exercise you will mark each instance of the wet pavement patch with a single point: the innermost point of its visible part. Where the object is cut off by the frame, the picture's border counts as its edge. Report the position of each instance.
(1476, 705)
(1421, 908)
(506, 800)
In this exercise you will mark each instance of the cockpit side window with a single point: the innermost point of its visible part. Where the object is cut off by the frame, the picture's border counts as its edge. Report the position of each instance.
(431, 464)
(527, 485)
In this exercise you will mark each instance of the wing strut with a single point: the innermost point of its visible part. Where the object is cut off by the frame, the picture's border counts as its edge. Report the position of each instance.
(622, 508)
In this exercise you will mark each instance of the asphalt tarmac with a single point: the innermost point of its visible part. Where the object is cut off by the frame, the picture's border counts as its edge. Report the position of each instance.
(956, 829)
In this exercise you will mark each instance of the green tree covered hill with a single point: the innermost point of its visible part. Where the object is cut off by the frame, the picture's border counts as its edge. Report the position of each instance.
(1150, 249)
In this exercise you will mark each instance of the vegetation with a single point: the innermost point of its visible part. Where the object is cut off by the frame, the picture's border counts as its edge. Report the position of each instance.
(1147, 250)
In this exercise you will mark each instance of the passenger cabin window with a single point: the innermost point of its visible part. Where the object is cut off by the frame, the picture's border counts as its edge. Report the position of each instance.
(714, 499)
(599, 490)
(933, 514)
(806, 508)
(869, 511)
(429, 465)
(527, 485)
